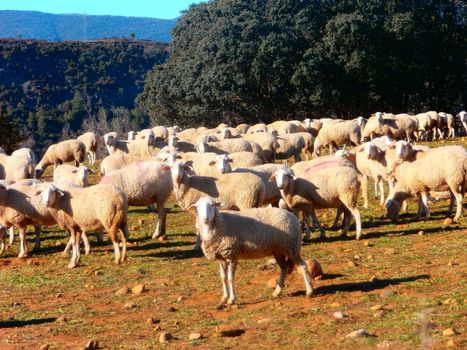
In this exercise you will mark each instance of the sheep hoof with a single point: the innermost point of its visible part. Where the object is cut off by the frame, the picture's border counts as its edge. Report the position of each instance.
(357, 238)
(309, 293)
(231, 301)
(73, 264)
(23, 256)
(224, 299)
(306, 239)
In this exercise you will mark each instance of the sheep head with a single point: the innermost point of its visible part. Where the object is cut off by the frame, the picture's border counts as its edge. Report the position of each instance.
(403, 149)
(51, 195)
(283, 177)
(179, 171)
(206, 211)
(222, 163)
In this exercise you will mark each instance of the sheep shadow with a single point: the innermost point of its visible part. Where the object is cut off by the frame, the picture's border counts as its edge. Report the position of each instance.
(23, 323)
(365, 286)
(156, 244)
(176, 254)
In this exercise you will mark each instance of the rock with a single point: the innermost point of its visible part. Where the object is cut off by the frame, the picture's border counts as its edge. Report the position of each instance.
(220, 306)
(176, 323)
(340, 315)
(61, 319)
(387, 293)
(158, 328)
(334, 304)
(130, 305)
(195, 336)
(357, 257)
(314, 268)
(264, 320)
(317, 278)
(153, 320)
(92, 345)
(171, 309)
(98, 273)
(447, 222)
(229, 331)
(44, 347)
(452, 263)
(358, 333)
(449, 332)
(162, 239)
(369, 257)
(390, 251)
(272, 283)
(377, 307)
(58, 243)
(352, 263)
(421, 233)
(165, 337)
(373, 279)
(450, 343)
(58, 295)
(367, 244)
(122, 291)
(386, 344)
(141, 222)
(378, 314)
(179, 299)
(449, 301)
(138, 289)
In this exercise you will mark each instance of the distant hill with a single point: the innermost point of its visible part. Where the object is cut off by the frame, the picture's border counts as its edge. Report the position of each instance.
(47, 26)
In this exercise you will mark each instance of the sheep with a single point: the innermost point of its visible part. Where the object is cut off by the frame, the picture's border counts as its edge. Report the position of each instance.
(173, 130)
(424, 126)
(290, 145)
(90, 142)
(446, 121)
(229, 133)
(397, 126)
(463, 119)
(223, 147)
(309, 140)
(131, 136)
(145, 183)
(65, 151)
(268, 143)
(160, 132)
(313, 126)
(20, 165)
(237, 191)
(96, 208)
(429, 173)
(119, 160)
(180, 146)
(144, 146)
(70, 174)
(361, 122)
(330, 187)
(20, 206)
(336, 134)
(242, 128)
(285, 127)
(2, 151)
(435, 124)
(265, 171)
(260, 127)
(229, 236)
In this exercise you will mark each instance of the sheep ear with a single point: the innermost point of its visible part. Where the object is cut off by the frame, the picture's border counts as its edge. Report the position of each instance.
(61, 192)
(74, 171)
(272, 178)
(188, 167)
(219, 204)
(165, 168)
(178, 157)
(212, 162)
(230, 160)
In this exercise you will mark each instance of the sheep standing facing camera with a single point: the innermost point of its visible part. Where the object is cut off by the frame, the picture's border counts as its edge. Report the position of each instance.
(228, 236)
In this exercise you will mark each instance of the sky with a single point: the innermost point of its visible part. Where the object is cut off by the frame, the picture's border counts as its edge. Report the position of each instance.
(167, 9)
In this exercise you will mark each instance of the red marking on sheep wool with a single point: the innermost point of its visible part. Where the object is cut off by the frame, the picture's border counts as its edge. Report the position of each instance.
(322, 165)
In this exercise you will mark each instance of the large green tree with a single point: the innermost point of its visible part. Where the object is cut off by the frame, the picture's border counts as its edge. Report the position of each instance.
(263, 60)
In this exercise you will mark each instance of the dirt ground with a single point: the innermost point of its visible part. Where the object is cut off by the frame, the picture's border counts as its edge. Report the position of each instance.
(404, 284)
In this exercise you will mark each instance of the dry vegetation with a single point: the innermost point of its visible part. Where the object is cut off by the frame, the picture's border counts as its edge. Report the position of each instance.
(405, 284)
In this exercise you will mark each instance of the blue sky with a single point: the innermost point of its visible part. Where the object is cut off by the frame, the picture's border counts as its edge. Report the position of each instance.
(139, 8)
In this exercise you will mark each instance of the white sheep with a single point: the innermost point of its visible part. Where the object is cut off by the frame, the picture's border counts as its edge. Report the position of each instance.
(313, 126)
(267, 141)
(229, 236)
(160, 132)
(429, 173)
(242, 128)
(398, 126)
(90, 142)
(463, 119)
(223, 147)
(96, 208)
(145, 183)
(424, 126)
(70, 174)
(20, 165)
(335, 134)
(65, 151)
(290, 145)
(328, 187)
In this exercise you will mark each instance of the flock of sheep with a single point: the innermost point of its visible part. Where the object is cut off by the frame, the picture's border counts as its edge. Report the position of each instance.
(247, 202)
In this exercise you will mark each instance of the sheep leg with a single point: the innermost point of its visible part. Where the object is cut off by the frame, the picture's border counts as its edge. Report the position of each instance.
(365, 191)
(451, 202)
(346, 226)
(306, 277)
(358, 222)
(231, 267)
(306, 218)
(161, 219)
(316, 223)
(376, 189)
(87, 247)
(381, 190)
(3, 245)
(124, 234)
(23, 253)
(404, 206)
(37, 244)
(223, 274)
(282, 262)
(112, 231)
(11, 233)
(73, 260)
(424, 198)
(458, 196)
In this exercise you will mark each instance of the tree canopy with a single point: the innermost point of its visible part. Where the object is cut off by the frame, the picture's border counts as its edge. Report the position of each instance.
(260, 60)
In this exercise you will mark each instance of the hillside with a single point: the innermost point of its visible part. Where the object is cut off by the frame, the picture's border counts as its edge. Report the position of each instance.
(46, 85)
(47, 26)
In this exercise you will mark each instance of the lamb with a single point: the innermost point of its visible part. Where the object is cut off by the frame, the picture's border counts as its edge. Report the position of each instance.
(65, 151)
(397, 126)
(96, 208)
(237, 191)
(90, 142)
(20, 165)
(337, 134)
(145, 183)
(463, 119)
(329, 187)
(428, 173)
(223, 147)
(229, 236)
(70, 174)
(21, 206)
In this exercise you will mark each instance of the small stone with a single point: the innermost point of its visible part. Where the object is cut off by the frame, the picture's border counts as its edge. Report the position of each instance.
(58, 243)
(378, 314)
(171, 309)
(450, 343)
(130, 305)
(165, 337)
(195, 336)
(141, 222)
(357, 257)
(449, 332)
(334, 304)
(162, 239)
(138, 289)
(369, 257)
(317, 278)
(272, 283)
(421, 233)
(452, 263)
(386, 344)
(449, 301)
(373, 279)
(220, 306)
(61, 319)
(340, 315)
(314, 268)
(92, 345)
(352, 263)
(264, 320)
(387, 293)
(367, 244)
(377, 307)
(176, 323)
(229, 331)
(44, 347)
(358, 333)
(179, 299)
(122, 291)
(153, 320)
(390, 251)
(447, 222)
(98, 273)
(158, 328)
(58, 295)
